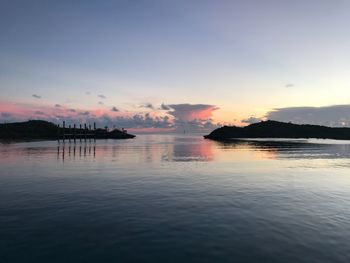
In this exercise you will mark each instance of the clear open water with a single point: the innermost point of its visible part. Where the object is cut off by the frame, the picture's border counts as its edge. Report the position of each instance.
(175, 198)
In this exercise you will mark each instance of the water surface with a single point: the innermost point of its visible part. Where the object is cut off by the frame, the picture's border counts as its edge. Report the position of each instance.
(175, 198)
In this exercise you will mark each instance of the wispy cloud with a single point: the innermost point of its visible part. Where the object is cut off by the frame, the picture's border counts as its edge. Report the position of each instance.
(138, 121)
(57, 105)
(251, 120)
(101, 96)
(36, 96)
(6, 114)
(289, 85)
(164, 107)
(147, 105)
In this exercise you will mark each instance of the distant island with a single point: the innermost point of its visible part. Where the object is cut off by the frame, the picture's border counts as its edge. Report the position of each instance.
(44, 130)
(276, 129)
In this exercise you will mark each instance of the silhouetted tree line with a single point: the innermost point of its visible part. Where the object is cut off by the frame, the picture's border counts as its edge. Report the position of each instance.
(39, 129)
(275, 129)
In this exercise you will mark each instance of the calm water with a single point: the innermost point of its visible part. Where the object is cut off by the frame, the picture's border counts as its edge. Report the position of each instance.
(175, 199)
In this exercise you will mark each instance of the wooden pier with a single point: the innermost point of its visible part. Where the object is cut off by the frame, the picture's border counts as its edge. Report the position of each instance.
(86, 134)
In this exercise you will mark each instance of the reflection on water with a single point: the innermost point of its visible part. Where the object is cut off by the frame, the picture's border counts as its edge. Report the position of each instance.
(175, 198)
(64, 151)
(292, 149)
(152, 149)
(188, 149)
(181, 149)
(301, 151)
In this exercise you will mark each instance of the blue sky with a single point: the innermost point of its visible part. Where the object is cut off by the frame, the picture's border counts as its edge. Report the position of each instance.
(239, 58)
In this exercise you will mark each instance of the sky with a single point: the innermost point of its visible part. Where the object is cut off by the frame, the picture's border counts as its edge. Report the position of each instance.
(160, 66)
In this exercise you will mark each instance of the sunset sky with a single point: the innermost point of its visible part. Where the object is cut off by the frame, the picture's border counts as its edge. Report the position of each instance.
(174, 65)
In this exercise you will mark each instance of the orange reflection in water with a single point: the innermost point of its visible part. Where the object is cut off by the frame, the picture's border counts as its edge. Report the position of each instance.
(155, 149)
(145, 149)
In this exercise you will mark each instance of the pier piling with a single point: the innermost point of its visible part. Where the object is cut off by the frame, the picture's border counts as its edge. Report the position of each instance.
(94, 131)
(64, 127)
(74, 133)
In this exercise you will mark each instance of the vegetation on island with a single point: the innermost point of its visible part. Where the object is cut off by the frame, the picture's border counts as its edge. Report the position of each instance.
(276, 129)
(44, 130)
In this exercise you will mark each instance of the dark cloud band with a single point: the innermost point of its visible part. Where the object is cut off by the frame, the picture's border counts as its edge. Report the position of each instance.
(336, 115)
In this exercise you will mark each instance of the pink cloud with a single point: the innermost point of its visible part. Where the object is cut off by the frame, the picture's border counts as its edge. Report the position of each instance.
(190, 112)
(25, 111)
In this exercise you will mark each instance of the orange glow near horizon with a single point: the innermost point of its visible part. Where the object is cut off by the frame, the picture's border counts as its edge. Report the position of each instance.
(57, 113)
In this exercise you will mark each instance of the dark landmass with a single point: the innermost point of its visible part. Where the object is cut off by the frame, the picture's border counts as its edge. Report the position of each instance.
(43, 130)
(275, 129)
